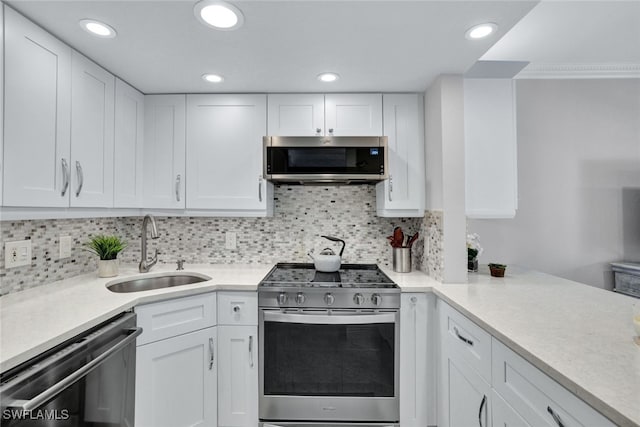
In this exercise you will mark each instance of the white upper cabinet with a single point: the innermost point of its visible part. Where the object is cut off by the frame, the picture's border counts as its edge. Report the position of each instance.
(402, 194)
(37, 116)
(164, 151)
(92, 126)
(224, 154)
(490, 148)
(296, 115)
(1, 96)
(353, 114)
(129, 140)
(325, 115)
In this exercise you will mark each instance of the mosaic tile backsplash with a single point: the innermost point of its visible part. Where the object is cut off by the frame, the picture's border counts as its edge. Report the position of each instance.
(302, 215)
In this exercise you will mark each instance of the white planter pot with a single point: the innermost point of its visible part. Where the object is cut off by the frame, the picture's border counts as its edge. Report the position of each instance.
(107, 267)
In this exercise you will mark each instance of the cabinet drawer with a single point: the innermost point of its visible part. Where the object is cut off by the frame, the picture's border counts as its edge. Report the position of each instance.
(465, 339)
(175, 317)
(535, 396)
(237, 308)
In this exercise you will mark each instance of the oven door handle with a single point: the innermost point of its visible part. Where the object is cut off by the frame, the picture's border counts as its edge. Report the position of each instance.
(60, 386)
(329, 318)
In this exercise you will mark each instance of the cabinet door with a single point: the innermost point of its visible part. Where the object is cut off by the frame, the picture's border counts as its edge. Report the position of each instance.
(164, 151)
(415, 358)
(490, 148)
(353, 114)
(1, 97)
(295, 115)
(402, 195)
(224, 152)
(237, 376)
(466, 396)
(37, 118)
(176, 381)
(129, 140)
(504, 415)
(92, 116)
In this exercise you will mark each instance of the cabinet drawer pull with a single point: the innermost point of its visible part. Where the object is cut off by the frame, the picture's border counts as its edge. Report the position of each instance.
(178, 178)
(80, 178)
(555, 417)
(211, 357)
(65, 177)
(250, 351)
(462, 338)
(484, 401)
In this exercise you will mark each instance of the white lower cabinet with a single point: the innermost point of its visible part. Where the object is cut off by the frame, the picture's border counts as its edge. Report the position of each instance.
(237, 376)
(417, 396)
(176, 381)
(483, 385)
(503, 414)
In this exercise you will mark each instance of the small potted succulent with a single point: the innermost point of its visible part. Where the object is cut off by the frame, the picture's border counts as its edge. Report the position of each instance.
(497, 270)
(107, 248)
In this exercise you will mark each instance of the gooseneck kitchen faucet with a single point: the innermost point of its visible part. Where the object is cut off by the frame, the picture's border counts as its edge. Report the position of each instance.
(145, 265)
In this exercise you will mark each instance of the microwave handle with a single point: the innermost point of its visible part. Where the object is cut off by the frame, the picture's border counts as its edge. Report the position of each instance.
(60, 386)
(329, 319)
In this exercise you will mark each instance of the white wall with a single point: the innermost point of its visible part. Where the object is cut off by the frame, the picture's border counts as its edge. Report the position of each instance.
(579, 180)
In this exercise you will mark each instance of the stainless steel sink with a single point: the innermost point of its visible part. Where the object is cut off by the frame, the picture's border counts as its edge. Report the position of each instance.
(156, 282)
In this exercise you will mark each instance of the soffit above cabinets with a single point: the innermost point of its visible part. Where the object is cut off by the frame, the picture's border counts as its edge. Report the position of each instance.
(375, 46)
(575, 39)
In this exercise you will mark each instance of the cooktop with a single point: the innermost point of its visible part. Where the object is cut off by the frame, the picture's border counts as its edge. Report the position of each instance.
(305, 275)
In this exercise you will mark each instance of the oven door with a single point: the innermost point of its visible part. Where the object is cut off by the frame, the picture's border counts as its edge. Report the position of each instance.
(329, 365)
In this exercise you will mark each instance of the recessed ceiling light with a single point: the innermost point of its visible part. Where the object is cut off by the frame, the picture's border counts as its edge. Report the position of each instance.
(97, 28)
(212, 78)
(218, 14)
(328, 77)
(481, 31)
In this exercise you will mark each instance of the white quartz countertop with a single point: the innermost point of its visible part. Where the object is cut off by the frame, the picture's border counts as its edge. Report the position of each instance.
(579, 335)
(40, 318)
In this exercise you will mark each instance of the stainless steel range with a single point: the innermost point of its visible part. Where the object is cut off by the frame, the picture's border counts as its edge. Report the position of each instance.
(329, 346)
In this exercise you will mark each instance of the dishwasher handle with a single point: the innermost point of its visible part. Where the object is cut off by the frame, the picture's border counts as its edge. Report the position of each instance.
(60, 386)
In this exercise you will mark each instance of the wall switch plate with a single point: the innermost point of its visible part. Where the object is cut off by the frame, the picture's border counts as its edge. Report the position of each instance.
(230, 240)
(65, 247)
(17, 254)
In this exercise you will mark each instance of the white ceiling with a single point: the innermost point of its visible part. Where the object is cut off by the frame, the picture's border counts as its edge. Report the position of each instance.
(283, 45)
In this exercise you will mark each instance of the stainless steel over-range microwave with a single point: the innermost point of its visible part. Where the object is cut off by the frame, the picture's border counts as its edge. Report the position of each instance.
(317, 159)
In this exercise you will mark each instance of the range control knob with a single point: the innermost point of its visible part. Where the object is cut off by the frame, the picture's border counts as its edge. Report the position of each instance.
(358, 299)
(282, 298)
(300, 298)
(329, 299)
(376, 299)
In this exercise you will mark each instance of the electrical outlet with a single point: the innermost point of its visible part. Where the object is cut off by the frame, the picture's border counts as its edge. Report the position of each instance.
(65, 247)
(17, 254)
(230, 240)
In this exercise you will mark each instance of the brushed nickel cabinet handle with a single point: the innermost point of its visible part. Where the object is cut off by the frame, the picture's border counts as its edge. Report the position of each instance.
(251, 351)
(65, 177)
(555, 417)
(462, 338)
(260, 189)
(390, 188)
(484, 401)
(178, 178)
(318, 131)
(211, 357)
(80, 178)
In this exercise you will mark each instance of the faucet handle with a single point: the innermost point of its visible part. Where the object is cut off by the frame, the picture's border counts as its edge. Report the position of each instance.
(180, 264)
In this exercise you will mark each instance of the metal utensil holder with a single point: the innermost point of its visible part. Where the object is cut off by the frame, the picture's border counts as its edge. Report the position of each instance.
(402, 260)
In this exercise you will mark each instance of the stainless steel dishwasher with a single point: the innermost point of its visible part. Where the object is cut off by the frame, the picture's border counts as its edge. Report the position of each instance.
(88, 380)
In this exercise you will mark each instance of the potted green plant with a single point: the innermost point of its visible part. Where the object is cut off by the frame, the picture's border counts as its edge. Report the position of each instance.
(497, 270)
(107, 248)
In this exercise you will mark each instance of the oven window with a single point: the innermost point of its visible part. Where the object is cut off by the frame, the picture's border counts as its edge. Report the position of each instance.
(329, 360)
